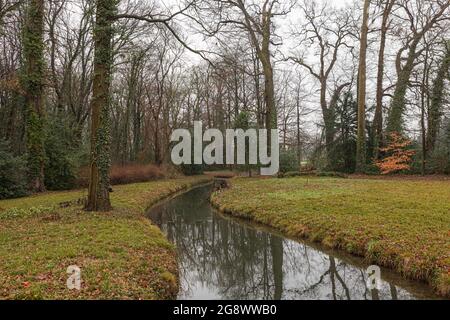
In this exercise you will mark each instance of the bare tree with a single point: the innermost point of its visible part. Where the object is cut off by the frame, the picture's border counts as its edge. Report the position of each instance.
(327, 30)
(7, 6)
(256, 19)
(422, 16)
(378, 119)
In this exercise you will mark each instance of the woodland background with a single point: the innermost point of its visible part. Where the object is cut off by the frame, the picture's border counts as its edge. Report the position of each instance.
(360, 86)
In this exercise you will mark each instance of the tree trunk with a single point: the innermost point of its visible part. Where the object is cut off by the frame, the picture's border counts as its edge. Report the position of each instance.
(276, 248)
(269, 97)
(378, 120)
(98, 199)
(424, 139)
(437, 101)
(398, 105)
(157, 147)
(269, 91)
(328, 120)
(361, 139)
(33, 82)
(422, 114)
(299, 141)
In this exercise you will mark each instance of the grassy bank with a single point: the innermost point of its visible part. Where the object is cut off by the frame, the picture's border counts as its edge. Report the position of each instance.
(120, 253)
(404, 225)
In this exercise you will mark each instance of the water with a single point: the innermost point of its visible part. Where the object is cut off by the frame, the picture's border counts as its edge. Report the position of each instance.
(222, 258)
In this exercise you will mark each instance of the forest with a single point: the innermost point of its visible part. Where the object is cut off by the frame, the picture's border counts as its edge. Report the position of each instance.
(125, 74)
(91, 92)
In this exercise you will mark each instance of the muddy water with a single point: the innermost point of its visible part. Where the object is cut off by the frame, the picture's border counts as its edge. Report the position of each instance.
(222, 258)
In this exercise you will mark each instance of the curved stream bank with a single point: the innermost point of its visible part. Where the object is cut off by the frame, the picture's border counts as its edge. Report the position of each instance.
(224, 258)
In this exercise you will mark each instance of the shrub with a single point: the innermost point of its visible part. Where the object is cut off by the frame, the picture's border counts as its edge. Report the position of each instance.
(60, 170)
(372, 170)
(170, 171)
(293, 174)
(307, 168)
(62, 158)
(131, 173)
(12, 174)
(440, 163)
(192, 169)
(289, 161)
(135, 173)
(332, 174)
(399, 156)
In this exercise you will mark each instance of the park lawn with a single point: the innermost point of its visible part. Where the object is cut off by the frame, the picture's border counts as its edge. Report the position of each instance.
(403, 225)
(120, 253)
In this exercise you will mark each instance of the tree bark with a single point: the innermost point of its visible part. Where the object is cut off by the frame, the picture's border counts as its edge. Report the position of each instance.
(33, 82)
(398, 105)
(378, 120)
(299, 141)
(99, 184)
(361, 139)
(269, 97)
(437, 101)
(423, 94)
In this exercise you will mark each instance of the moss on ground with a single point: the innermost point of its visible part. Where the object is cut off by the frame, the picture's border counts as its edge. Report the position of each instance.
(120, 253)
(403, 225)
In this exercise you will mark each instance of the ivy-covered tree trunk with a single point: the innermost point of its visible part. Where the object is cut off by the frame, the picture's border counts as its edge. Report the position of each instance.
(98, 198)
(395, 119)
(33, 76)
(437, 101)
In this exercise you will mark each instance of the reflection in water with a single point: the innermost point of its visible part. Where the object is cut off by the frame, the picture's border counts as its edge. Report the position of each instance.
(224, 259)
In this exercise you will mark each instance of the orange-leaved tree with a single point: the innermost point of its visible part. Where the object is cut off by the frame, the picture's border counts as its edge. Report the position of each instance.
(398, 155)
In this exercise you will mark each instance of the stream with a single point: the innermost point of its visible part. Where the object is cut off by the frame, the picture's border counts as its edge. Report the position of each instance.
(223, 258)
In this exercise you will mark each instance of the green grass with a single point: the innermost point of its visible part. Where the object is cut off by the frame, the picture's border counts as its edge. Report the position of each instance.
(120, 253)
(403, 225)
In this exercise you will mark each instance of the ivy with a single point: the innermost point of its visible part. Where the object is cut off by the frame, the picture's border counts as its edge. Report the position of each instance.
(437, 100)
(32, 80)
(101, 101)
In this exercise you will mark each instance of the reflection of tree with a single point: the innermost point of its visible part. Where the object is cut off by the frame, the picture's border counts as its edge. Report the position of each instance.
(334, 272)
(393, 291)
(230, 261)
(276, 245)
(239, 261)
